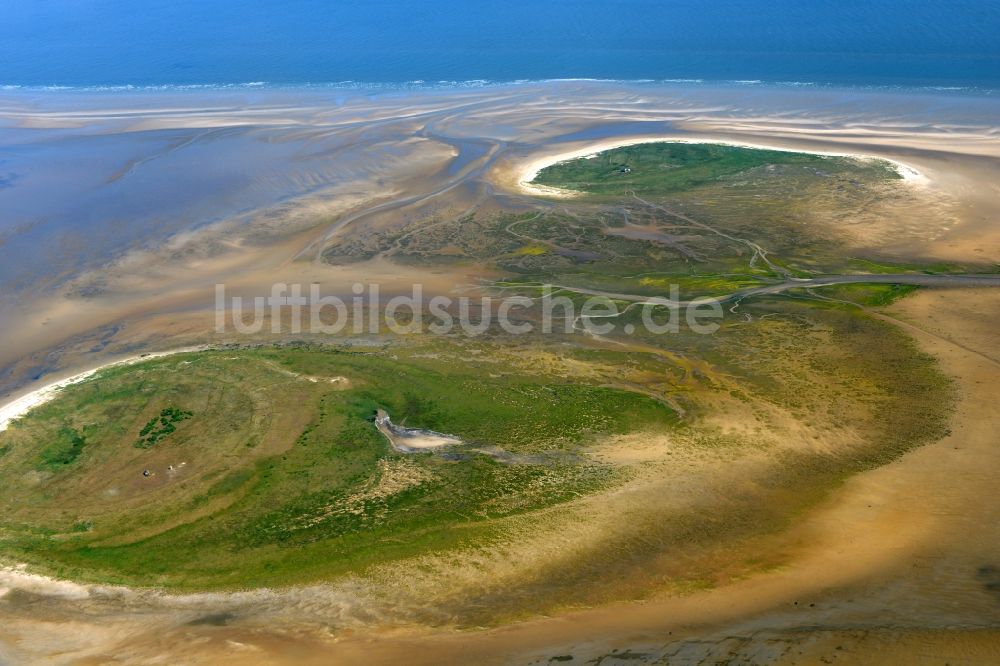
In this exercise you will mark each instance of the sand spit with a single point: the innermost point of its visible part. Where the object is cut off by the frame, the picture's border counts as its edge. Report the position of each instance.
(24, 404)
(909, 174)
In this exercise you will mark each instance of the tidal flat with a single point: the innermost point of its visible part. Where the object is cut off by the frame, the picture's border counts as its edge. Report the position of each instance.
(660, 495)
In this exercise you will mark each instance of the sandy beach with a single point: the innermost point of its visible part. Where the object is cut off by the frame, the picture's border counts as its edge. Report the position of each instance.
(22, 405)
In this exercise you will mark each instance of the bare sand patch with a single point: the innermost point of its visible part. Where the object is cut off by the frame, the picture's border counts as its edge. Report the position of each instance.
(408, 440)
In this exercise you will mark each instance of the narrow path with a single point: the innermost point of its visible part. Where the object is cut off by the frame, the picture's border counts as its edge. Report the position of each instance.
(916, 279)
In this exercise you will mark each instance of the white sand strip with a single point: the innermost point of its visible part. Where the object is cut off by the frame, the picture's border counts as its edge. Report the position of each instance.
(17, 577)
(21, 406)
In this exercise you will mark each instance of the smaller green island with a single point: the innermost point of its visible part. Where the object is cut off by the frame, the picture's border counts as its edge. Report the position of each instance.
(670, 167)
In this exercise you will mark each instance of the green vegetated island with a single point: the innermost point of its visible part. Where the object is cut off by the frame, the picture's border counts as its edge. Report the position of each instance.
(244, 467)
(668, 167)
(249, 472)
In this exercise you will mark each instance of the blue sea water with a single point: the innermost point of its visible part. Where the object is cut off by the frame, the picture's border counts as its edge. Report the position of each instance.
(142, 43)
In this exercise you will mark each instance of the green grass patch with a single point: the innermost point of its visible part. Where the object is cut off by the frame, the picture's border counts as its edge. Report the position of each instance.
(868, 295)
(160, 426)
(64, 451)
(881, 267)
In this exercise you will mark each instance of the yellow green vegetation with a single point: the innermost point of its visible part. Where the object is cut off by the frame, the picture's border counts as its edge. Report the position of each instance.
(868, 295)
(701, 284)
